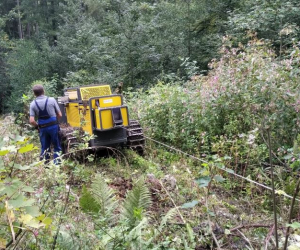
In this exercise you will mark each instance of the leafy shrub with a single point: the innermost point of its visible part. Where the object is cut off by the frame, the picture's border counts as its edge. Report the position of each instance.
(170, 113)
(250, 88)
(247, 88)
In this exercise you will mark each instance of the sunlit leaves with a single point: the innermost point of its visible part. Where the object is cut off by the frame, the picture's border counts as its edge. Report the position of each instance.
(4, 151)
(27, 148)
(33, 222)
(15, 144)
(45, 220)
(8, 149)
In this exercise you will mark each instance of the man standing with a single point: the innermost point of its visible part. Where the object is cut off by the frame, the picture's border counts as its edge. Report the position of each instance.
(48, 112)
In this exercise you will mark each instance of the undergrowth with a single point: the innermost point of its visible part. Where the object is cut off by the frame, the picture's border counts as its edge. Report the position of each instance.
(164, 199)
(127, 201)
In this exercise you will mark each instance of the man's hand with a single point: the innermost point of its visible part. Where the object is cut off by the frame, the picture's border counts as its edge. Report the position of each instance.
(34, 123)
(37, 128)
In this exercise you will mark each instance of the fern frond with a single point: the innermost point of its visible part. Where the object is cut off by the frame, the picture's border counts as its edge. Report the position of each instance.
(104, 196)
(65, 241)
(87, 201)
(169, 215)
(136, 202)
(135, 236)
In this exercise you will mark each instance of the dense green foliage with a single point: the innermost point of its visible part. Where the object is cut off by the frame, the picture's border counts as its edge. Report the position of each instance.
(247, 89)
(135, 42)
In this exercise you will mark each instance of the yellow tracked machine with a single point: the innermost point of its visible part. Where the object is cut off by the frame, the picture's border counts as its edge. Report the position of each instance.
(95, 110)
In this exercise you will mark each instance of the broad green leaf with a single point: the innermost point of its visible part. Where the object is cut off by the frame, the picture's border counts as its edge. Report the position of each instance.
(4, 152)
(9, 190)
(47, 221)
(190, 204)
(204, 172)
(220, 165)
(203, 181)
(10, 186)
(287, 157)
(295, 225)
(35, 224)
(228, 170)
(219, 178)
(25, 218)
(11, 148)
(27, 148)
(33, 211)
(30, 221)
(38, 222)
(18, 166)
(231, 171)
(41, 217)
(21, 201)
(27, 189)
(20, 139)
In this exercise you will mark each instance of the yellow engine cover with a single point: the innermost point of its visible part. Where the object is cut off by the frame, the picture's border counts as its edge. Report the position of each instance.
(93, 91)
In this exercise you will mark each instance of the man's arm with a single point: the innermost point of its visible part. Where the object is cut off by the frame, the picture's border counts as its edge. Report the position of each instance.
(31, 116)
(32, 121)
(58, 115)
(57, 110)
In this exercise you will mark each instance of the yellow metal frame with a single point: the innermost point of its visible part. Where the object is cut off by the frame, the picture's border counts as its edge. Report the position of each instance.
(106, 117)
(102, 111)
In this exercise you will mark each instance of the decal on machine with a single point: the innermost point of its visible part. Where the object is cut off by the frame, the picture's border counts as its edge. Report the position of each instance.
(108, 101)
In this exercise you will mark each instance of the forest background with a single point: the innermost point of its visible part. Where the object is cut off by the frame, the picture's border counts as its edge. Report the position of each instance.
(217, 79)
(135, 42)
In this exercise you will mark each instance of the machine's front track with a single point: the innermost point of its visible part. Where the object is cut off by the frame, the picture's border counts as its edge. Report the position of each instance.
(135, 137)
(68, 138)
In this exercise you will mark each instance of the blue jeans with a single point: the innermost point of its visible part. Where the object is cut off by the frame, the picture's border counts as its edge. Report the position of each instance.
(48, 136)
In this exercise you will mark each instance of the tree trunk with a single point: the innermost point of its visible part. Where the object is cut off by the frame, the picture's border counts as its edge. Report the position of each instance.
(189, 27)
(54, 23)
(19, 21)
(37, 28)
(28, 30)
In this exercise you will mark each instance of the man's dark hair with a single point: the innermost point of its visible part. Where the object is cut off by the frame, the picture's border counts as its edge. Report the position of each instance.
(38, 90)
